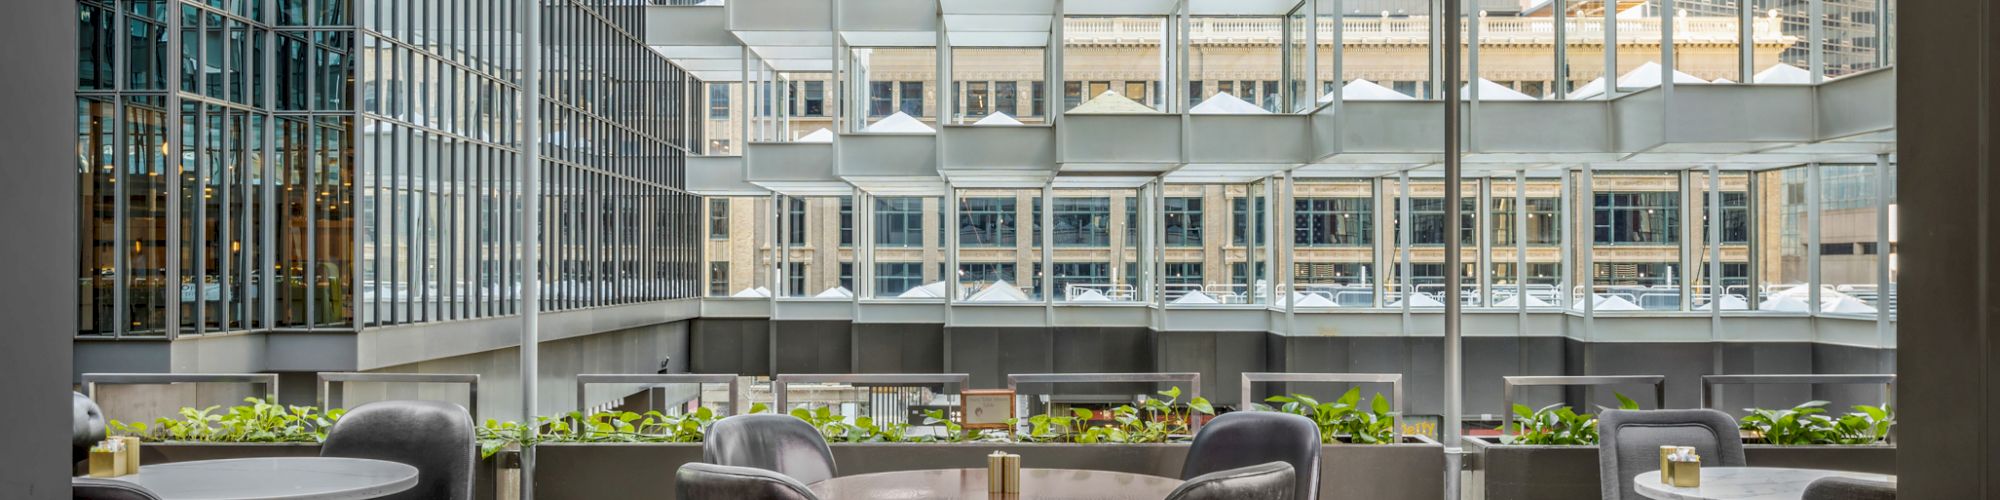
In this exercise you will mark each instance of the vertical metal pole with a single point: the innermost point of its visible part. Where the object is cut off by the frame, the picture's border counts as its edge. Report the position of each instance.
(1454, 384)
(1884, 292)
(1561, 80)
(1816, 42)
(531, 213)
(1746, 41)
(1812, 238)
(1610, 74)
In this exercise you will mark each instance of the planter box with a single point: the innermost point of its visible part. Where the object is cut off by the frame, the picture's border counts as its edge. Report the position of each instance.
(1511, 472)
(588, 471)
(483, 480)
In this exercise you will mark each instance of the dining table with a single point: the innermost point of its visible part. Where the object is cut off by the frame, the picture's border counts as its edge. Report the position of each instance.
(1744, 483)
(968, 484)
(286, 478)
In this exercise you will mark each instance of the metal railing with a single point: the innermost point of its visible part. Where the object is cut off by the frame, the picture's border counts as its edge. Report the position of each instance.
(584, 381)
(1395, 381)
(1192, 379)
(779, 384)
(1659, 383)
(327, 381)
(1708, 383)
(91, 380)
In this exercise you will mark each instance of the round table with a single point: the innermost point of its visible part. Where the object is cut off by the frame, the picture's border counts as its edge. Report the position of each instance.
(940, 484)
(291, 478)
(1744, 483)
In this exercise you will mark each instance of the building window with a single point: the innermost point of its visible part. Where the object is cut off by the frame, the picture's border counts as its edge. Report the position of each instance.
(986, 222)
(814, 99)
(1322, 222)
(1183, 273)
(1543, 227)
(1427, 221)
(718, 278)
(880, 100)
(1735, 217)
(1240, 220)
(718, 219)
(847, 221)
(795, 278)
(1072, 94)
(899, 222)
(1239, 273)
(1036, 100)
(1084, 274)
(1648, 218)
(1194, 93)
(1131, 221)
(1005, 99)
(976, 99)
(1082, 222)
(1137, 92)
(718, 101)
(847, 276)
(912, 99)
(1183, 223)
(1634, 273)
(894, 278)
(795, 222)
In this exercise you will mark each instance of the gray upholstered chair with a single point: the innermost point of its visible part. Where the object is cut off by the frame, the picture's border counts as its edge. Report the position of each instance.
(777, 443)
(1629, 444)
(1247, 438)
(90, 488)
(1269, 481)
(699, 481)
(435, 437)
(87, 428)
(1847, 488)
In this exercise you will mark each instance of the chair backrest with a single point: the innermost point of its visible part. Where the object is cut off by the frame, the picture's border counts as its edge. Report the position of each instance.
(86, 428)
(1629, 444)
(778, 443)
(1847, 488)
(700, 481)
(1247, 438)
(1269, 481)
(90, 488)
(435, 437)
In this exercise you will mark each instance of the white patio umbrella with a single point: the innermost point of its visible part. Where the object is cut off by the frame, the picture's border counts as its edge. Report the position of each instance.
(901, 123)
(838, 292)
(1729, 303)
(1643, 77)
(1489, 91)
(1847, 304)
(1111, 102)
(999, 291)
(1515, 301)
(1364, 90)
(1782, 73)
(1090, 295)
(1309, 300)
(758, 292)
(1196, 297)
(1225, 104)
(821, 135)
(1418, 300)
(1784, 303)
(1616, 303)
(997, 118)
(932, 290)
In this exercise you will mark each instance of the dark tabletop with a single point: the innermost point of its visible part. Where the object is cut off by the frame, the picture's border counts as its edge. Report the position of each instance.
(970, 484)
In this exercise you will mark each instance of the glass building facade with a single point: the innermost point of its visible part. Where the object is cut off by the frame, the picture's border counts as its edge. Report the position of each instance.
(334, 165)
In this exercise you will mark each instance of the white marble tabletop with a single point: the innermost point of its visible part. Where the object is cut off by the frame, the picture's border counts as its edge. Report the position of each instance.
(1744, 483)
(292, 478)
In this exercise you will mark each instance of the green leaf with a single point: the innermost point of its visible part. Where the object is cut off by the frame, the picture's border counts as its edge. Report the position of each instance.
(1172, 393)
(1201, 404)
(1625, 403)
(1381, 404)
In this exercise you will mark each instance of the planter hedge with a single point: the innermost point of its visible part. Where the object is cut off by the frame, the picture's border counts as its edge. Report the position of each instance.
(1523, 472)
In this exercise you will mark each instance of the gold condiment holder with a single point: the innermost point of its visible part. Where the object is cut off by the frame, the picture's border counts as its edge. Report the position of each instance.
(1685, 474)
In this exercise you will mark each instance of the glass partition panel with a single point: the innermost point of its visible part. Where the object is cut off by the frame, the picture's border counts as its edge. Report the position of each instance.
(1778, 240)
(1731, 286)
(1583, 54)
(1706, 36)
(1427, 233)
(1853, 37)
(895, 84)
(1514, 62)
(1250, 239)
(1333, 242)
(720, 125)
(818, 255)
(1527, 235)
(991, 86)
(1299, 48)
(739, 231)
(809, 103)
(1113, 64)
(1635, 230)
(1096, 245)
(1240, 56)
(1848, 249)
(908, 247)
(1784, 45)
(999, 257)
(1390, 49)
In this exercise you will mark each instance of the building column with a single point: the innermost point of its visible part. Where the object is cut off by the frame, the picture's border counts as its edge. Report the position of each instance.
(1950, 361)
